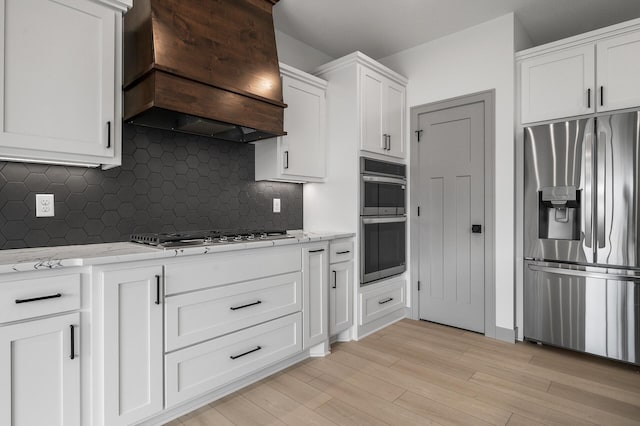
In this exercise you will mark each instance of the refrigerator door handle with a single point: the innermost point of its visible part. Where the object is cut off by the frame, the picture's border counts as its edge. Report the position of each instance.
(587, 274)
(601, 180)
(587, 212)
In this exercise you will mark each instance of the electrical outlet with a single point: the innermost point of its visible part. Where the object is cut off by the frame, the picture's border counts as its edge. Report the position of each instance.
(276, 205)
(44, 205)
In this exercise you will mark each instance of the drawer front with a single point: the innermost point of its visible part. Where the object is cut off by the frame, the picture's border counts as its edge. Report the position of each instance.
(225, 268)
(41, 296)
(202, 315)
(382, 301)
(202, 368)
(341, 251)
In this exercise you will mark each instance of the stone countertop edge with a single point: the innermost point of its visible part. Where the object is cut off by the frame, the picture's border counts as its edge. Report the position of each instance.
(43, 258)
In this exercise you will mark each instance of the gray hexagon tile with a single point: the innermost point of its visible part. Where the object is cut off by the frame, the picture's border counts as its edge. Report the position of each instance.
(167, 182)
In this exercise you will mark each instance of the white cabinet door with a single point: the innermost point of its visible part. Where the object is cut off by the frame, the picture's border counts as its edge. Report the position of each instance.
(133, 351)
(372, 132)
(303, 148)
(395, 107)
(315, 266)
(58, 80)
(39, 379)
(341, 297)
(558, 85)
(618, 61)
(300, 156)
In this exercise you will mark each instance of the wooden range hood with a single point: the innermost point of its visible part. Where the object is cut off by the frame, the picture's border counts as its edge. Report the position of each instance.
(208, 67)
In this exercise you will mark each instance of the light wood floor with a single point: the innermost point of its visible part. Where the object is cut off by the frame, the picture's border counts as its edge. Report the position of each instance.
(418, 373)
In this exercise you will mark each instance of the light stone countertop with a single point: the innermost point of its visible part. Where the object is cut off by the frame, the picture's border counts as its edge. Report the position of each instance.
(30, 259)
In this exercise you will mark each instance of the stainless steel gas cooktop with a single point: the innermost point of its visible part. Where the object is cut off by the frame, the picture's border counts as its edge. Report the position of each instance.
(207, 237)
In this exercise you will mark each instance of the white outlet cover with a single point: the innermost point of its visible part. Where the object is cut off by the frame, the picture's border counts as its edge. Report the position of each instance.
(44, 205)
(276, 205)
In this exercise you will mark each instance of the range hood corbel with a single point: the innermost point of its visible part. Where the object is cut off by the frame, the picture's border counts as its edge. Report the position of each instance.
(207, 67)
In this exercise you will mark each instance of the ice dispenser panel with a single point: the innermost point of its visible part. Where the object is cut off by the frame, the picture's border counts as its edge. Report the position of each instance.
(559, 213)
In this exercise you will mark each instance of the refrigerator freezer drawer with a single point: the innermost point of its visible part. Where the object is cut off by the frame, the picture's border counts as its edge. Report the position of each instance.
(591, 310)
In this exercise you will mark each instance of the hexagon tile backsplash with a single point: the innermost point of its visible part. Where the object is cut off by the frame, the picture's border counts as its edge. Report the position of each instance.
(168, 181)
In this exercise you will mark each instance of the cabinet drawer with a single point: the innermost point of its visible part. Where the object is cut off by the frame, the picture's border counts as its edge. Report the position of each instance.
(41, 296)
(341, 251)
(225, 268)
(202, 315)
(202, 368)
(381, 301)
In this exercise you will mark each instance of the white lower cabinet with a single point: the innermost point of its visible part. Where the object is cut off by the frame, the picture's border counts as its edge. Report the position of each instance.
(341, 297)
(132, 343)
(377, 301)
(212, 364)
(315, 266)
(40, 372)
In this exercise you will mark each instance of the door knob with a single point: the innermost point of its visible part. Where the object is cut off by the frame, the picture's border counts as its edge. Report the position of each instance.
(476, 229)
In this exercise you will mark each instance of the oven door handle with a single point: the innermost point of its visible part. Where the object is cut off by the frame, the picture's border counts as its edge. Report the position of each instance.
(394, 219)
(380, 179)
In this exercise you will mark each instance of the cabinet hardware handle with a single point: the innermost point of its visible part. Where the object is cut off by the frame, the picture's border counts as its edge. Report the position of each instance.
(335, 279)
(343, 252)
(108, 134)
(316, 251)
(157, 289)
(73, 341)
(601, 95)
(35, 299)
(235, 308)
(257, 348)
(384, 135)
(589, 98)
(382, 302)
(389, 136)
(286, 159)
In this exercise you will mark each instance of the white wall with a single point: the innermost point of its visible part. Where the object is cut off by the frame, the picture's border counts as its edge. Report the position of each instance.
(298, 54)
(473, 60)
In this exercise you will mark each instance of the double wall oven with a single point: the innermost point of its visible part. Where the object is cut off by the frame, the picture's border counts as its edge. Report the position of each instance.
(382, 219)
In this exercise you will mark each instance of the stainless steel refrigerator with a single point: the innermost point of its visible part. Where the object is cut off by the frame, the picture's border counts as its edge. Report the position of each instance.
(582, 259)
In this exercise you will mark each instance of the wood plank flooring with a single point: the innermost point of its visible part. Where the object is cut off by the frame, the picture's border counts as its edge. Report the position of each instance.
(419, 373)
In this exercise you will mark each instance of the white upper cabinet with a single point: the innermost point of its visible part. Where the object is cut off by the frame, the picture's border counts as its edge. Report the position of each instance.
(300, 156)
(60, 74)
(382, 107)
(594, 72)
(558, 85)
(619, 72)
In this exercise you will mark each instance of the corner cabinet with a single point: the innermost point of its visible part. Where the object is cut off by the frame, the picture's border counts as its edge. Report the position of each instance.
(131, 303)
(594, 72)
(60, 74)
(300, 156)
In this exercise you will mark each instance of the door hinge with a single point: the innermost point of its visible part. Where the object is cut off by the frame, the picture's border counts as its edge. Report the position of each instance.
(418, 210)
(418, 285)
(418, 134)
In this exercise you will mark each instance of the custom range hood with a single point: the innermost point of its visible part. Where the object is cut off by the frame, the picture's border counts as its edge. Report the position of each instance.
(208, 67)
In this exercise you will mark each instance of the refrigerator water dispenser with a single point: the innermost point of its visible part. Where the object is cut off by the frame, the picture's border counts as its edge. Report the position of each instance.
(559, 213)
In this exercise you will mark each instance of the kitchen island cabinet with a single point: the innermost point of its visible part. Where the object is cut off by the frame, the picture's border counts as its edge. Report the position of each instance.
(61, 78)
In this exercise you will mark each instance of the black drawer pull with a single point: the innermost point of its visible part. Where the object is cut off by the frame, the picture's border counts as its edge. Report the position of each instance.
(73, 342)
(382, 302)
(589, 98)
(343, 252)
(316, 251)
(601, 95)
(257, 348)
(157, 289)
(108, 134)
(235, 308)
(335, 279)
(35, 299)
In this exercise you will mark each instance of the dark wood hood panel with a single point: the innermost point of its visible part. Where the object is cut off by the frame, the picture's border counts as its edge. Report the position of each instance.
(209, 58)
(162, 90)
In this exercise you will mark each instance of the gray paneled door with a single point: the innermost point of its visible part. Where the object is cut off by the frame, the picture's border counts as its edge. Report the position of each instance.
(451, 193)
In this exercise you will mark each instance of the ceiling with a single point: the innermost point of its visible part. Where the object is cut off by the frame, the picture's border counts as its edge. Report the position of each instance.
(383, 27)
